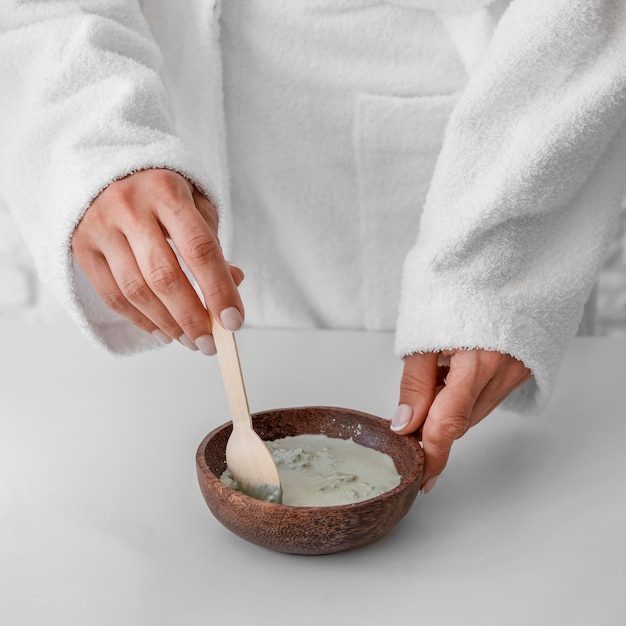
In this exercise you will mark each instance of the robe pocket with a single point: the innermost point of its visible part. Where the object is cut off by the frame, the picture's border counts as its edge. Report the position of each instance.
(397, 141)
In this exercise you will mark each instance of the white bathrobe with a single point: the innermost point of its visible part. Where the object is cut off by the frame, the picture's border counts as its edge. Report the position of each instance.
(523, 115)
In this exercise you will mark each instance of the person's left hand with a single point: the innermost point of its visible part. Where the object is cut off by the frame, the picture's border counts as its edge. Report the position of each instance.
(444, 401)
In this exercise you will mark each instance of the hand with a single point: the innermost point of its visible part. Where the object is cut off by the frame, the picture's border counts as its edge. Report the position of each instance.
(444, 394)
(121, 245)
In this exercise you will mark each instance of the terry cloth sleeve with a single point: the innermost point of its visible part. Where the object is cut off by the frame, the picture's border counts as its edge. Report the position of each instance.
(525, 193)
(82, 103)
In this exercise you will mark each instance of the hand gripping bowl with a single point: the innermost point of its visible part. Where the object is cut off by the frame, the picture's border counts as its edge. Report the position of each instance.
(312, 530)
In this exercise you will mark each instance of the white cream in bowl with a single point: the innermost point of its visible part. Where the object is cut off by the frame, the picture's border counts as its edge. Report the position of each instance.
(317, 470)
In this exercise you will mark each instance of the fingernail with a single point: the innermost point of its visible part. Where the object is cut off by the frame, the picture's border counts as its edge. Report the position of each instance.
(401, 417)
(429, 484)
(206, 345)
(161, 336)
(231, 318)
(187, 342)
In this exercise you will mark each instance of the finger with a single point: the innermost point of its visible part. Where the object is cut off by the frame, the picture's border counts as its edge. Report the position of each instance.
(207, 210)
(449, 415)
(417, 392)
(447, 421)
(99, 273)
(237, 273)
(131, 281)
(511, 375)
(200, 250)
(161, 287)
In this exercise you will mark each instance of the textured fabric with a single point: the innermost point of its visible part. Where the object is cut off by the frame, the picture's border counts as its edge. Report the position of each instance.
(327, 175)
(86, 98)
(526, 192)
(524, 195)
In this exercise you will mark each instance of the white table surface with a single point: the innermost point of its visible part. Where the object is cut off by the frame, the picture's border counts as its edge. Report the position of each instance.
(102, 521)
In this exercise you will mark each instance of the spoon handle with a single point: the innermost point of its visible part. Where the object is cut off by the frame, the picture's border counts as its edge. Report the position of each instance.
(231, 373)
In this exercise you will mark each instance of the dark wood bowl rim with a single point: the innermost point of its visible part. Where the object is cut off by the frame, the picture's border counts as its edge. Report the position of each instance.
(225, 491)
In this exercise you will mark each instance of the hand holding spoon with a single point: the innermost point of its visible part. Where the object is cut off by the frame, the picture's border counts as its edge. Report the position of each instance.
(249, 461)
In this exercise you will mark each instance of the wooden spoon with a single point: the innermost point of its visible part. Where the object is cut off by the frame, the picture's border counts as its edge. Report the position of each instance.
(249, 461)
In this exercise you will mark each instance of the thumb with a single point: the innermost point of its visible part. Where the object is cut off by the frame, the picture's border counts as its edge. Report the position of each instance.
(417, 392)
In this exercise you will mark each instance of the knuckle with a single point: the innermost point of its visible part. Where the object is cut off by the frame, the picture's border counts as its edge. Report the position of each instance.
(118, 194)
(202, 249)
(194, 320)
(163, 279)
(114, 300)
(92, 226)
(172, 193)
(168, 182)
(195, 329)
(219, 294)
(412, 385)
(171, 328)
(454, 426)
(135, 289)
(189, 322)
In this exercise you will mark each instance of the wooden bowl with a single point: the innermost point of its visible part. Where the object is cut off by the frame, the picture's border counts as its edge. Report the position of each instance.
(321, 529)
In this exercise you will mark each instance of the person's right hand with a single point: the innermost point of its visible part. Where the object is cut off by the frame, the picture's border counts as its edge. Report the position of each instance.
(121, 246)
